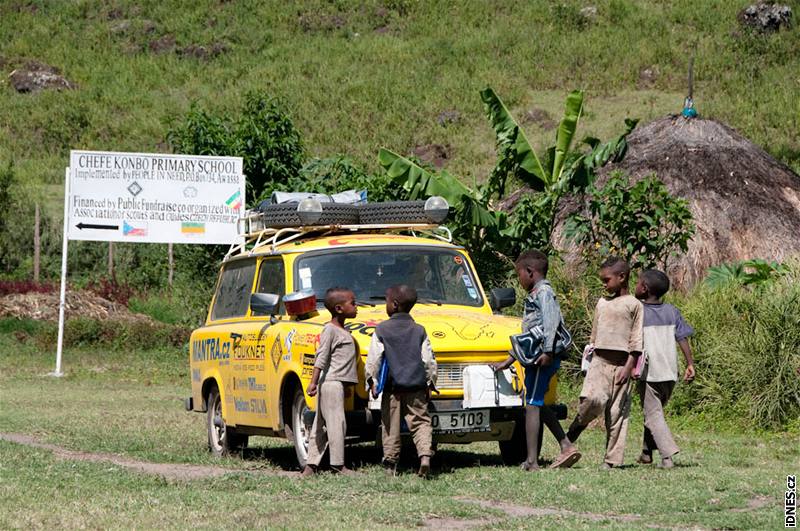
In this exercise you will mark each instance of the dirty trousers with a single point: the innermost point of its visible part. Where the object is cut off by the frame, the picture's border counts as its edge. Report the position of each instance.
(329, 426)
(413, 407)
(654, 397)
(600, 395)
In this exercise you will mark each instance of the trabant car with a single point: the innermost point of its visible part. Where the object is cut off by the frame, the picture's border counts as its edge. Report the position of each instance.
(251, 361)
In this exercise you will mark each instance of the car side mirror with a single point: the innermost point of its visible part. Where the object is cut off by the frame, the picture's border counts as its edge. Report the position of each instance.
(500, 298)
(264, 303)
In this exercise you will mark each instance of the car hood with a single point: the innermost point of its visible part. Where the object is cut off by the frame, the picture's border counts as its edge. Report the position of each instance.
(450, 328)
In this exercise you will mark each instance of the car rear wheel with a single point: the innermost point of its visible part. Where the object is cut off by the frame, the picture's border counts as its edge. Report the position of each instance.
(299, 431)
(222, 439)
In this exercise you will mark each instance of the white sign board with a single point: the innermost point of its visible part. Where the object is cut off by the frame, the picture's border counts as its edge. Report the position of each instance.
(135, 197)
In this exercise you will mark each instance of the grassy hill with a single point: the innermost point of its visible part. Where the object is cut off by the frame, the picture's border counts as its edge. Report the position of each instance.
(395, 73)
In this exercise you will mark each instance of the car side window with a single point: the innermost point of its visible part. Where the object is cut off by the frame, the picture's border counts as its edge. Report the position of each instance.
(233, 291)
(271, 279)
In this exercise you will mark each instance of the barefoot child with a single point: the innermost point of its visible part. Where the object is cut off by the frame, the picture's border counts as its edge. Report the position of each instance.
(541, 309)
(617, 339)
(334, 370)
(663, 328)
(411, 378)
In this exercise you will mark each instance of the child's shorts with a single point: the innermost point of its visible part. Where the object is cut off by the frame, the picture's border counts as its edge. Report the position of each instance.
(537, 381)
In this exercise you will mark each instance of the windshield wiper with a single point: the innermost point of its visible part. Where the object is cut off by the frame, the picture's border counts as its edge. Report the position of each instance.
(430, 301)
(365, 303)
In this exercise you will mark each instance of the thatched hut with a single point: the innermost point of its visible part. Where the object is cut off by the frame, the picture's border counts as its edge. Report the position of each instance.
(745, 203)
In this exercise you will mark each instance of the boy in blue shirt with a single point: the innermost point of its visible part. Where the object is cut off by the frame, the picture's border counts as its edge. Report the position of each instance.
(541, 309)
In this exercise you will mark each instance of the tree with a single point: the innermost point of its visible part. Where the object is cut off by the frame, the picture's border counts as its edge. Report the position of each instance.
(263, 134)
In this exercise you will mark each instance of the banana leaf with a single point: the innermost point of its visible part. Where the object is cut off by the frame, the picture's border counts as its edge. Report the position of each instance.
(566, 132)
(512, 142)
(420, 183)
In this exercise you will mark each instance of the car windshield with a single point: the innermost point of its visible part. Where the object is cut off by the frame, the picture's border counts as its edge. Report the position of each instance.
(440, 276)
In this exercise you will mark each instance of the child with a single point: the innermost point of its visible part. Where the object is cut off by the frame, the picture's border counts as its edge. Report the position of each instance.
(617, 339)
(334, 368)
(663, 327)
(411, 378)
(541, 309)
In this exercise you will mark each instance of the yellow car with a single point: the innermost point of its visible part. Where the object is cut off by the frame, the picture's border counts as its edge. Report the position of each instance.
(251, 362)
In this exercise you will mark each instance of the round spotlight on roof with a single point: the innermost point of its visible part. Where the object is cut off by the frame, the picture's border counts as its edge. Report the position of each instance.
(436, 209)
(309, 211)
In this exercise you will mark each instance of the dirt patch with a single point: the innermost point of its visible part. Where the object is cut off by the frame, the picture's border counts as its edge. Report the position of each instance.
(315, 21)
(766, 17)
(453, 523)
(44, 306)
(517, 511)
(34, 76)
(435, 154)
(539, 117)
(162, 44)
(647, 77)
(753, 504)
(448, 117)
(203, 52)
(171, 471)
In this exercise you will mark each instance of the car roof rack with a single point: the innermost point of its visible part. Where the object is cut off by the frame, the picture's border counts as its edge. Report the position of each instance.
(253, 234)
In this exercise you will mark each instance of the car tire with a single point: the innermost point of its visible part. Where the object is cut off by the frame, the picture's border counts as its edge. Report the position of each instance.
(222, 439)
(515, 450)
(296, 429)
(391, 212)
(285, 215)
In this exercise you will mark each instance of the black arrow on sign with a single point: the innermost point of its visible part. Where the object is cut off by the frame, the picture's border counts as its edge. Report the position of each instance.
(83, 225)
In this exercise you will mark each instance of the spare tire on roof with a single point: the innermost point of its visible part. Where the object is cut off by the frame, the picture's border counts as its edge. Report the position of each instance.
(394, 212)
(285, 215)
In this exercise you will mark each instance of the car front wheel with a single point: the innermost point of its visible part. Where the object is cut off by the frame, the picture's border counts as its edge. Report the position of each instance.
(299, 432)
(222, 439)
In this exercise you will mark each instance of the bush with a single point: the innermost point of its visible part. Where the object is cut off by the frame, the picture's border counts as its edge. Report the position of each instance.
(122, 335)
(339, 173)
(639, 221)
(746, 352)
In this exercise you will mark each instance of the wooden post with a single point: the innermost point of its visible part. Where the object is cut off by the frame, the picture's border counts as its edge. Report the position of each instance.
(171, 272)
(110, 260)
(37, 244)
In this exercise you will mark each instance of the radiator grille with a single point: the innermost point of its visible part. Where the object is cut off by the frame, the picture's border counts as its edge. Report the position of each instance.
(451, 375)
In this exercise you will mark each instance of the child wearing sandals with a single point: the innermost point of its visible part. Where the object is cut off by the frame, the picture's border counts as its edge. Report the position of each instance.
(541, 309)
(664, 330)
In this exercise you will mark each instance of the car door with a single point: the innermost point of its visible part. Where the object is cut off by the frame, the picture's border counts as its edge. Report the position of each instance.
(262, 352)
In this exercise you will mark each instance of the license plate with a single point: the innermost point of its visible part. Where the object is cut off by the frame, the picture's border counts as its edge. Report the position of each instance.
(460, 421)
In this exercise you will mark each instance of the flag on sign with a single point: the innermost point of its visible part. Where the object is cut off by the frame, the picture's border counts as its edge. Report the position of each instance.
(235, 201)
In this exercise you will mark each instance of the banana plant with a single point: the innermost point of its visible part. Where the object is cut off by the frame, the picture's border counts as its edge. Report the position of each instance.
(517, 157)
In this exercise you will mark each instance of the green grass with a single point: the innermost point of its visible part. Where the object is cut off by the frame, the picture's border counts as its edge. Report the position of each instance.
(354, 89)
(129, 404)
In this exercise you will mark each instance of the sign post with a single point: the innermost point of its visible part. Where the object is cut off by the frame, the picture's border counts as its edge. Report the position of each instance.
(151, 198)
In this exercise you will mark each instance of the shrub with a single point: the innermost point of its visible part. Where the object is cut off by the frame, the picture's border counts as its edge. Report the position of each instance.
(111, 290)
(119, 335)
(746, 352)
(745, 272)
(339, 173)
(8, 287)
(640, 221)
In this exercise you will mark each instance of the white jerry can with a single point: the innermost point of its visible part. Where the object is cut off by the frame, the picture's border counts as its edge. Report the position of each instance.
(483, 387)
